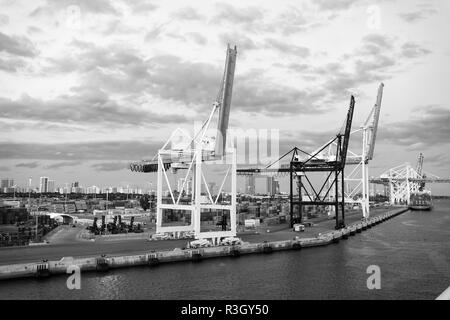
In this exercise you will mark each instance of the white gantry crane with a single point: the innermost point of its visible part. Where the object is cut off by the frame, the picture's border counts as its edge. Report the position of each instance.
(191, 158)
(357, 181)
(403, 180)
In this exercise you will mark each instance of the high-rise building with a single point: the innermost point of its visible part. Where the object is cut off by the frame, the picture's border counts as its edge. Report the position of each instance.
(43, 184)
(180, 185)
(212, 187)
(189, 187)
(76, 188)
(250, 184)
(93, 189)
(273, 186)
(51, 186)
(7, 185)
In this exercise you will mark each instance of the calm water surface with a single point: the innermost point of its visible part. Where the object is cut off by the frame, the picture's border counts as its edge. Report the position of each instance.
(412, 251)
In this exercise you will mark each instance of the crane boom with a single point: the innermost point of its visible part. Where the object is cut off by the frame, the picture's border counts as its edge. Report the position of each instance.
(224, 111)
(374, 126)
(348, 127)
(419, 164)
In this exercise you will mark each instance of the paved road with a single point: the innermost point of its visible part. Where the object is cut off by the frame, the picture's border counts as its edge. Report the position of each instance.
(65, 244)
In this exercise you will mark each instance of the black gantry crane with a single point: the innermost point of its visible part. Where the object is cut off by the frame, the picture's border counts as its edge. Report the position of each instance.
(303, 163)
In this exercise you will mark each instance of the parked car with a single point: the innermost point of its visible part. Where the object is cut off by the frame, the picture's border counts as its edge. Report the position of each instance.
(231, 241)
(201, 243)
(160, 236)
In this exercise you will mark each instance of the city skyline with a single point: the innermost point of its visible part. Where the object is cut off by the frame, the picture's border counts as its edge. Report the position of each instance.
(76, 101)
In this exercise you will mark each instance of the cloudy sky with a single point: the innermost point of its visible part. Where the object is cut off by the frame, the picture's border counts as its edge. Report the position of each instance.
(87, 86)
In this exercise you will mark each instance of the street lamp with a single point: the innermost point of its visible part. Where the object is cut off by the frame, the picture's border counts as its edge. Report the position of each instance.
(29, 195)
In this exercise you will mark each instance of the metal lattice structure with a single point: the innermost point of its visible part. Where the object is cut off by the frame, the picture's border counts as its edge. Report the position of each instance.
(403, 180)
(358, 178)
(302, 163)
(193, 157)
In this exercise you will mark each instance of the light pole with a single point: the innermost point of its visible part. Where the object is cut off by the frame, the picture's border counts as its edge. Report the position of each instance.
(29, 196)
(65, 199)
(150, 187)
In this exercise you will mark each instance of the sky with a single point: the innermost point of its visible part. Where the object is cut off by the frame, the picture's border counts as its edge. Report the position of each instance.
(88, 86)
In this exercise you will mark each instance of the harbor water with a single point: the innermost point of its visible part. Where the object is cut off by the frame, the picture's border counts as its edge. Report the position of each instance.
(412, 251)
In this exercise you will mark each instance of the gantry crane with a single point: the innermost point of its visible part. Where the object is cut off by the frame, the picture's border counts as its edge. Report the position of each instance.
(360, 173)
(197, 151)
(301, 163)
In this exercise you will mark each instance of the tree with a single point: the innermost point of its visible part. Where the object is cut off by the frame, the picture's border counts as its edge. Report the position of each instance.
(145, 202)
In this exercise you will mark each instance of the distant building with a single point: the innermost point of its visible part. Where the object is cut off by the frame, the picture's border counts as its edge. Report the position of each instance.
(212, 186)
(76, 188)
(7, 185)
(10, 215)
(93, 190)
(250, 184)
(273, 186)
(189, 187)
(43, 185)
(51, 186)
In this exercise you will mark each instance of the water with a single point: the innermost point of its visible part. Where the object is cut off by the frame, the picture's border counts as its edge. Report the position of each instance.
(412, 251)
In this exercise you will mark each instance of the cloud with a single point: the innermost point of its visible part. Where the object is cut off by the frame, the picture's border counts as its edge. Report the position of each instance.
(96, 7)
(85, 105)
(440, 160)
(255, 94)
(242, 15)
(197, 38)
(376, 59)
(4, 20)
(100, 150)
(110, 166)
(287, 47)
(428, 127)
(34, 30)
(413, 50)
(142, 6)
(12, 64)
(414, 16)
(59, 165)
(240, 39)
(17, 45)
(188, 13)
(335, 4)
(30, 165)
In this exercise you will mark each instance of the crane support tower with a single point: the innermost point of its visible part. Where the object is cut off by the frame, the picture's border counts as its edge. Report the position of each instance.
(192, 160)
(359, 175)
(302, 163)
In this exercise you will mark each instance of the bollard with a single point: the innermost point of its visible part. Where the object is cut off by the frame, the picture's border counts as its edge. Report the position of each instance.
(102, 264)
(152, 260)
(297, 246)
(42, 270)
(235, 252)
(267, 248)
(196, 255)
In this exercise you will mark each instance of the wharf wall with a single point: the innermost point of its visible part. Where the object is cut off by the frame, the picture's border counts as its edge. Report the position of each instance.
(103, 263)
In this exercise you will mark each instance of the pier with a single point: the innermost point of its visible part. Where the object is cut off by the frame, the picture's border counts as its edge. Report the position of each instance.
(152, 258)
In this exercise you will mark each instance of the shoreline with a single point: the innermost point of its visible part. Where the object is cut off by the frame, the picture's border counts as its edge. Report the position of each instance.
(153, 258)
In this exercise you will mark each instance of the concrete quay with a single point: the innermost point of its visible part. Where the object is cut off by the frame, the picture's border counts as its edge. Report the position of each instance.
(104, 263)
